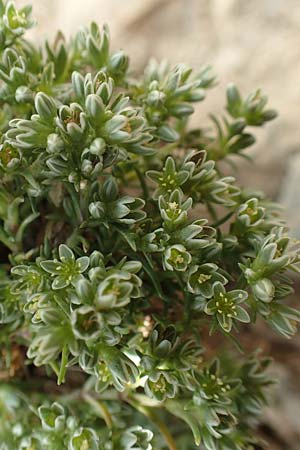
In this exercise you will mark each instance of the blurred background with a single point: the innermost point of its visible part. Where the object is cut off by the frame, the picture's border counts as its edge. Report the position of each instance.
(254, 44)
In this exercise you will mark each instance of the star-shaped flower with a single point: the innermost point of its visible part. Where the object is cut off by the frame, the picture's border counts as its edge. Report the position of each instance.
(225, 306)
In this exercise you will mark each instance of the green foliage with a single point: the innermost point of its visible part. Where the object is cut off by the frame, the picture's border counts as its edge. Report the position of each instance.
(125, 245)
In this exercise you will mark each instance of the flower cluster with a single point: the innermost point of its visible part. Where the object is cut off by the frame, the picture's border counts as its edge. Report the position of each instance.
(123, 248)
(54, 426)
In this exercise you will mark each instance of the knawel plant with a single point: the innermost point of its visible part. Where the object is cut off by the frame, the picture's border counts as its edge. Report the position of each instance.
(131, 260)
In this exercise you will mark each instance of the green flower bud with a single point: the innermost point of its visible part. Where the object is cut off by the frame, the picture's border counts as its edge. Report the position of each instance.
(45, 106)
(24, 95)
(263, 290)
(118, 63)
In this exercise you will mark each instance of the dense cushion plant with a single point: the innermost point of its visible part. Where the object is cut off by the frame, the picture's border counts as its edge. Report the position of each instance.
(131, 260)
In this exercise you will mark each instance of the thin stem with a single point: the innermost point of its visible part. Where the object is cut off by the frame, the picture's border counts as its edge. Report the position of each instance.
(167, 149)
(116, 244)
(235, 341)
(188, 311)
(155, 281)
(63, 365)
(149, 412)
(212, 211)
(54, 366)
(6, 241)
(181, 284)
(222, 220)
(100, 408)
(143, 183)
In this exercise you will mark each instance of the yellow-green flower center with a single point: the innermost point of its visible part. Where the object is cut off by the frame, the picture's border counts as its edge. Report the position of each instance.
(160, 385)
(203, 277)
(85, 445)
(103, 372)
(225, 306)
(179, 259)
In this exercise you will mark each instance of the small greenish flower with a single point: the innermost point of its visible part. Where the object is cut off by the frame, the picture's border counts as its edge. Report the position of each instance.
(13, 72)
(213, 386)
(10, 157)
(137, 438)
(155, 241)
(72, 123)
(116, 290)
(100, 84)
(169, 178)
(116, 122)
(17, 21)
(67, 270)
(84, 439)
(114, 367)
(86, 323)
(174, 210)
(103, 376)
(34, 305)
(53, 417)
(9, 305)
(252, 108)
(225, 306)
(51, 335)
(169, 92)
(204, 184)
(177, 258)
(30, 278)
(268, 261)
(201, 279)
(14, 75)
(250, 214)
(161, 385)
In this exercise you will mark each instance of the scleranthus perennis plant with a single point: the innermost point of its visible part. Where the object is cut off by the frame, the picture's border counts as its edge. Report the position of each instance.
(125, 246)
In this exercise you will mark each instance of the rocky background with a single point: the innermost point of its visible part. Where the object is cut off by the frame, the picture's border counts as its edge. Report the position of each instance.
(254, 44)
